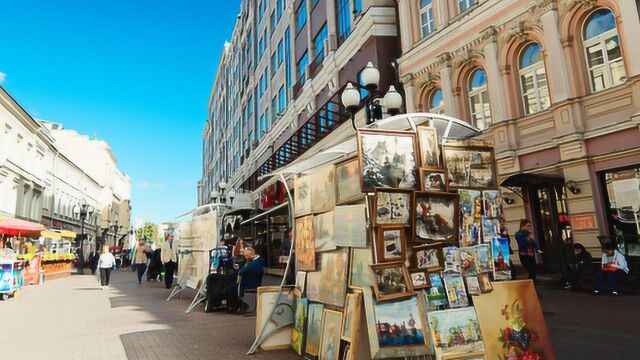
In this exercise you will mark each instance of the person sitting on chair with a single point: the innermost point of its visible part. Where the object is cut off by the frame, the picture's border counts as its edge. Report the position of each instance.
(249, 277)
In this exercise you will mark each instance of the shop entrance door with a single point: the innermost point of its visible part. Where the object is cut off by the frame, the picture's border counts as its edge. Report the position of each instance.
(552, 225)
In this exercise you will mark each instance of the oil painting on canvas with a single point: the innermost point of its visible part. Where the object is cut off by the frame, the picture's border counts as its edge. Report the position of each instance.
(436, 216)
(324, 230)
(399, 323)
(470, 217)
(323, 190)
(456, 331)
(305, 244)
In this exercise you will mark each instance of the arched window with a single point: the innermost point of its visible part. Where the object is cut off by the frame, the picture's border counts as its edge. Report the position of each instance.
(436, 103)
(602, 48)
(533, 80)
(426, 17)
(479, 100)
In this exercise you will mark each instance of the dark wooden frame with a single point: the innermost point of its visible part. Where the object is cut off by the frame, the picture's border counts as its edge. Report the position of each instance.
(423, 170)
(425, 272)
(438, 246)
(374, 211)
(398, 264)
(479, 148)
(456, 217)
(360, 133)
(380, 242)
(422, 163)
(352, 198)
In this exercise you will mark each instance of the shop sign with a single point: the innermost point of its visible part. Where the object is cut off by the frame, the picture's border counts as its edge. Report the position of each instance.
(272, 195)
(584, 222)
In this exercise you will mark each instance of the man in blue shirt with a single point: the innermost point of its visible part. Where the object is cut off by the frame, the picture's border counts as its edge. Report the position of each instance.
(249, 277)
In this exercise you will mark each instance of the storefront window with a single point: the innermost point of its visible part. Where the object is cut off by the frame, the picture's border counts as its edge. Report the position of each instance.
(622, 199)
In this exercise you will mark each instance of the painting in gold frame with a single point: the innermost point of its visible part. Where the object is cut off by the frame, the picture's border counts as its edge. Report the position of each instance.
(351, 317)
(268, 296)
(330, 338)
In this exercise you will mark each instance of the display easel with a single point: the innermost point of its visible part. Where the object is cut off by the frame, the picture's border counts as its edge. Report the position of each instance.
(201, 295)
(182, 279)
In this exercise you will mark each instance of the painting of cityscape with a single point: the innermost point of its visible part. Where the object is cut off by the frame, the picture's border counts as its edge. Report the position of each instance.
(470, 217)
(469, 167)
(398, 323)
(456, 331)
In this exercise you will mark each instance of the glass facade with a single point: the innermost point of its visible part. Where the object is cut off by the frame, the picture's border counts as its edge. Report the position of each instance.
(622, 205)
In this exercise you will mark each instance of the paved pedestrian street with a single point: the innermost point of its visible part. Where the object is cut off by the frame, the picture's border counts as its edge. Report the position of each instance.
(72, 318)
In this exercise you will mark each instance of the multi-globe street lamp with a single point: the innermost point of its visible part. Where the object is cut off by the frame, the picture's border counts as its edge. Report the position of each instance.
(82, 211)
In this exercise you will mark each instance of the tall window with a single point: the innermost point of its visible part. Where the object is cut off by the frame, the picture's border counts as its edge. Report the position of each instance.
(302, 68)
(287, 56)
(273, 22)
(261, 9)
(319, 42)
(479, 100)
(533, 80)
(426, 17)
(274, 107)
(344, 20)
(602, 47)
(436, 102)
(280, 52)
(463, 5)
(279, 8)
(301, 16)
(282, 97)
(274, 64)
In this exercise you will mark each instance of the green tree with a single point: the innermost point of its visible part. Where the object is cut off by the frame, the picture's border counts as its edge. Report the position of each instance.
(150, 231)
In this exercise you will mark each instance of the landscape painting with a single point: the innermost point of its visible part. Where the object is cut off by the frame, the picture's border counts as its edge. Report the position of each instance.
(350, 225)
(333, 281)
(392, 207)
(484, 262)
(324, 230)
(330, 339)
(360, 275)
(470, 167)
(490, 228)
(436, 216)
(323, 190)
(456, 331)
(314, 329)
(493, 204)
(436, 294)
(348, 181)
(305, 244)
(456, 291)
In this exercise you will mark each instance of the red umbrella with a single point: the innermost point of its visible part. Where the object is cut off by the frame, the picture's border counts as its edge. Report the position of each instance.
(14, 227)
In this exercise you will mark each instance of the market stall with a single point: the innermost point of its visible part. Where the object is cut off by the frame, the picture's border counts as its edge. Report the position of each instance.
(398, 252)
(11, 274)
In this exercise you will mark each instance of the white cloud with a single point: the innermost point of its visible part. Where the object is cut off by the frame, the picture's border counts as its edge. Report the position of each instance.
(143, 185)
(2, 77)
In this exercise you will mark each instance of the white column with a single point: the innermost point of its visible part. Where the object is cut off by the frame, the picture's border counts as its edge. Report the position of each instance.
(630, 28)
(496, 90)
(409, 94)
(450, 108)
(442, 13)
(557, 65)
(406, 32)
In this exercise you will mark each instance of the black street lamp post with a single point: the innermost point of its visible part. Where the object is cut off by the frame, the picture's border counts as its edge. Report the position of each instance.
(82, 211)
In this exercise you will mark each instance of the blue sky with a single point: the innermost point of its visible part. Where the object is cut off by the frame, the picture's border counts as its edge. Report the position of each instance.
(135, 72)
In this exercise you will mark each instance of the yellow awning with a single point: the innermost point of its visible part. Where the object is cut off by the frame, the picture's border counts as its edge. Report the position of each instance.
(68, 234)
(51, 234)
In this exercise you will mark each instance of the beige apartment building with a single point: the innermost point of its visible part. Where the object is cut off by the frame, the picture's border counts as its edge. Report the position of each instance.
(555, 84)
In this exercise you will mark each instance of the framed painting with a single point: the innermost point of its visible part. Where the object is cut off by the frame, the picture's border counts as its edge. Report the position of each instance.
(323, 229)
(470, 167)
(456, 292)
(391, 243)
(350, 225)
(501, 256)
(281, 323)
(452, 261)
(302, 195)
(490, 228)
(470, 217)
(323, 190)
(436, 294)
(314, 330)
(348, 181)
(470, 356)
(384, 319)
(473, 285)
(387, 159)
(333, 278)
(429, 257)
(484, 263)
(485, 283)
(419, 279)
(428, 146)
(492, 204)
(512, 322)
(330, 338)
(305, 244)
(456, 332)
(313, 285)
(391, 207)
(351, 317)
(391, 281)
(359, 273)
(436, 216)
(297, 333)
(301, 278)
(433, 180)
(468, 263)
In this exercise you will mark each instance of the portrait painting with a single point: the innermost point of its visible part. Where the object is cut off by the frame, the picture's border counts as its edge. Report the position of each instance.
(456, 331)
(468, 263)
(483, 258)
(297, 333)
(323, 189)
(490, 228)
(324, 230)
(351, 316)
(473, 285)
(350, 223)
(302, 195)
(486, 285)
(313, 285)
(512, 322)
(428, 146)
(456, 291)
(333, 281)
(419, 279)
(436, 294)
(360, 275)
(433, 180)
(394, 317)
(436, 216)
(387, 159)
(501, 256)
(281, 322)
(314, 330)
(469, 167)
(305, 244)
(348, 181)
(470, 217)
(429, 257)
(391, 281)
(452, 259)
(301, 279)
(391, 244)
(492, 207)
(330, 338)
(392, 207)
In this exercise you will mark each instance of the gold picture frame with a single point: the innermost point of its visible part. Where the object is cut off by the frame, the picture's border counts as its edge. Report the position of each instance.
(330, 336)
(391, 281)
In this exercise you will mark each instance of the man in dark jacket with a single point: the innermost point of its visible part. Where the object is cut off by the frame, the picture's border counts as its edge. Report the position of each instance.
(249, 277)
(94, 256)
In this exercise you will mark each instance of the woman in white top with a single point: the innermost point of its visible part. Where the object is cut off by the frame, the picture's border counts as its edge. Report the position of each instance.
(105, 264)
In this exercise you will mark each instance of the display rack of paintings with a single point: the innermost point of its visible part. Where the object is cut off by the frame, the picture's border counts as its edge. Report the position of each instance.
(469, 167)
(391, 207)
(391, 243)
(429, 257)
(436, 216)
(391, 281)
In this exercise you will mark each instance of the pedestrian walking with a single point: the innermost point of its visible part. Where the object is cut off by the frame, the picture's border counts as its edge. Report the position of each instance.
(527, 248)
(106, 262)
(169, 258)
(614, 265)
(94, 256)
(140, 252)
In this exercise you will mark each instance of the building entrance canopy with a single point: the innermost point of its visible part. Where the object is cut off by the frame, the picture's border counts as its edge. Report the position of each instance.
(533, 180)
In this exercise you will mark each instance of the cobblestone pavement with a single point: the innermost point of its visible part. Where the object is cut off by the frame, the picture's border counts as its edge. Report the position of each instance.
(72, 319)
